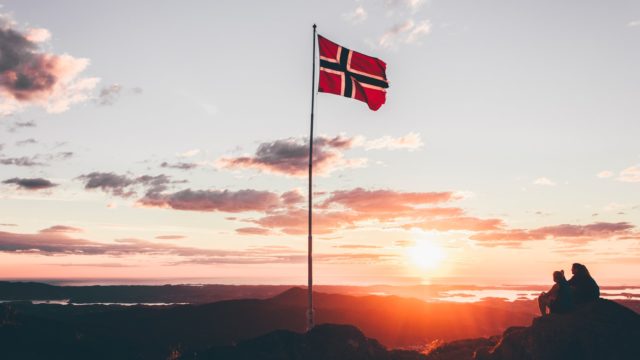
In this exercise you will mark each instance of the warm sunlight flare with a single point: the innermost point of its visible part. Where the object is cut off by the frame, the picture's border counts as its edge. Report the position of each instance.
(426, 254)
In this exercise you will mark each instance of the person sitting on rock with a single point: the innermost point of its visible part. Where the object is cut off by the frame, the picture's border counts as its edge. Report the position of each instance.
(584, 287)
(559, 298)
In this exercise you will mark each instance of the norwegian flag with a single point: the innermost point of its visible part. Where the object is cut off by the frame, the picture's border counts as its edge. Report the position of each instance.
(352, 74)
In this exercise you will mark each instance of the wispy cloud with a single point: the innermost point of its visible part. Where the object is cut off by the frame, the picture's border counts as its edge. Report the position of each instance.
(63, 243)
(170, 237)
(358, 15)
(30, 76)
(630, 174)
(410, 142)
(605, 174)
(633, 23)
(412, 5)
(179, 165)
(189, 153)
(564, 232)
(543, 181)
(109, 95)
(21, 161)
(21, 125)
(406, 32)
(26, 142)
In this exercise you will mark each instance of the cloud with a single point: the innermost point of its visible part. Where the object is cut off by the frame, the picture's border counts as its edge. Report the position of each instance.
(458, 223)
(562, 232)
(407, 32)
(633, 23)
(26, 142)
(31, 183)
(363, 200)
(605, 174)
(109, 94)
(170, 237)
(22, 124)
(357, 246)
(123, 185)
(60, 229)
(410, 142)
(62, 243)
(213, 200)
(31, 77)
(179, 165)
(358, 15)
(290, 157)
(108, 182)
(35, 160)
(544, 182)
(630, 174)
(413, 5)
(37, 35)
(190, 153)
(292, 197)
(22, 161)
(348, 209)
(419, 31)
(253, 231)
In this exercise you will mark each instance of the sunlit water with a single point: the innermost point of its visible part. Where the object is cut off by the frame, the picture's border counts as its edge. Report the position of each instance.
(519, 294)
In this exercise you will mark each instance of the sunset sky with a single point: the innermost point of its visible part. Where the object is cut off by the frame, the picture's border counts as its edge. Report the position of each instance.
(168, 140)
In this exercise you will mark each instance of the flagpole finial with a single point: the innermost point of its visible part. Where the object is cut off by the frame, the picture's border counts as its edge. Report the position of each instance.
(314, 26)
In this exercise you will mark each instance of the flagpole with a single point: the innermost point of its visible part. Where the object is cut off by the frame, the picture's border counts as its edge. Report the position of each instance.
(310, 237)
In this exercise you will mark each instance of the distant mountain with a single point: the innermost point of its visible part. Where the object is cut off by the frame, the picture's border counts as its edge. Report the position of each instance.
(154, 332)
(192, 294)
(99, 332)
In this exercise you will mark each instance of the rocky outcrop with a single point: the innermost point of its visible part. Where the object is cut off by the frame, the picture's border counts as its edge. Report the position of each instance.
(599, 330)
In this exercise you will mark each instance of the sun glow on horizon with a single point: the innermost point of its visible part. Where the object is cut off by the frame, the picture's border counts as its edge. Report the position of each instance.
(426, 254)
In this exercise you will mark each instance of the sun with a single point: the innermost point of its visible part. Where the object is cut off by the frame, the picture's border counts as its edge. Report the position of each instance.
(425, 254)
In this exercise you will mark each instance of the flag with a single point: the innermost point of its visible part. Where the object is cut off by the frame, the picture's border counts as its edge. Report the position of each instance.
(351, 74)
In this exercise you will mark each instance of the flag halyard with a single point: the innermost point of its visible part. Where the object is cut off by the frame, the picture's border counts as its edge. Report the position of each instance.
(351, 74)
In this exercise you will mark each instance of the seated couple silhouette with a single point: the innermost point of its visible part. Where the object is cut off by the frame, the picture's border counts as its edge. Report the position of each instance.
(565, 294)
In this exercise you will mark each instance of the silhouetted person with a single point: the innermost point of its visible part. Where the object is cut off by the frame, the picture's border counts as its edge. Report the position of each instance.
(584, 288)
(559, 298)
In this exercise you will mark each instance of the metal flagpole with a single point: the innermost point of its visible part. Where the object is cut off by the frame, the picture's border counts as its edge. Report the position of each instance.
(310, 238)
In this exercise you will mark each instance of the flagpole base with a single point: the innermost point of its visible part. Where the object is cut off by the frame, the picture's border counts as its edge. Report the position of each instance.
(310, 323)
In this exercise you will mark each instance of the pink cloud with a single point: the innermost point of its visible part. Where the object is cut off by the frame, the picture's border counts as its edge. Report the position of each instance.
(253, 231)
(30, 76)
(363, 200)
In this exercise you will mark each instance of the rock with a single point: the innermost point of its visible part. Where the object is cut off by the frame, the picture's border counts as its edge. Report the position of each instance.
(599, 330)
(324, 342)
